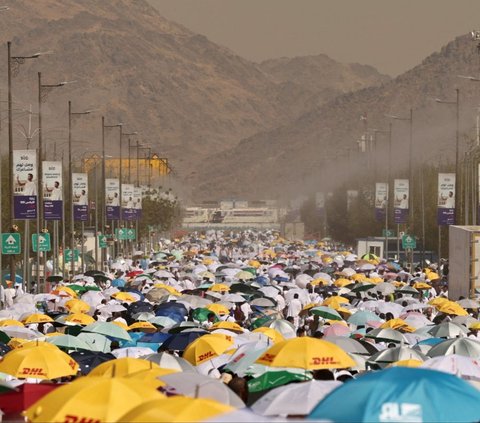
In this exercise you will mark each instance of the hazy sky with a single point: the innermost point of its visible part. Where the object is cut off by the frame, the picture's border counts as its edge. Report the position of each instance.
(392, 35)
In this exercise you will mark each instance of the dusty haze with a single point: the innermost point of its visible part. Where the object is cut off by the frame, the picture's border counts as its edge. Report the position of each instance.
(391, 35)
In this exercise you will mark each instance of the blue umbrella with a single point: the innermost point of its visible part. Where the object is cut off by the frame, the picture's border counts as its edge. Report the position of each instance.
(18, 278)
(157, 337)
(401, 394)
(174, 310)
(180, 340)
(431, 341)
(360, 318)
(262, 280)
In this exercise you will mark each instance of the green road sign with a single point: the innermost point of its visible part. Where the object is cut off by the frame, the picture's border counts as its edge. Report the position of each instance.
(68, 255)
(11, 243)
(102, 241)
(409, 242)
(45, 244)
(131, 234)
(390, 233)
(121, 234)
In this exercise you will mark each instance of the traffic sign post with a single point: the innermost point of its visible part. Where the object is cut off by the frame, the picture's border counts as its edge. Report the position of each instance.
(102, 241)
(44, 244)
(68, 255)
(11, 243)
(131, 234)
(408, 242)
(389, 233)
(121, 234)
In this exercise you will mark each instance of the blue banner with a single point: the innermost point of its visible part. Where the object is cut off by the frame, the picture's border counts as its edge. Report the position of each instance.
(53, 210)
(25, 207)
(80, 213)
(113, 212)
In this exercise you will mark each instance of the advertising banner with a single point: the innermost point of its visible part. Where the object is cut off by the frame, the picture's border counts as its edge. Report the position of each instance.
(52, 190)
(80, 196)
(401, 198)
(381, 200)
(137, 202)
(446, 199)
(25, 184)
(112, 198)
(128, 208)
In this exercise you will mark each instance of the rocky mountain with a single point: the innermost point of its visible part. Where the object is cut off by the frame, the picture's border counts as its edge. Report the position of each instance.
(319, 149)
(188, 97)
(309, 81)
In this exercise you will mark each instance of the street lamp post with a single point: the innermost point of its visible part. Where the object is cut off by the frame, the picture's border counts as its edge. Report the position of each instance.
(457, 154)
(70, 186)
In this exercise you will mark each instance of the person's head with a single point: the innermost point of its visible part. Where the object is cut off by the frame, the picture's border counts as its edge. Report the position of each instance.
(30, 176)
(450, 194)
(404, 196)
(56, 184)
(295, 296)
(211, 317)
(83, 192)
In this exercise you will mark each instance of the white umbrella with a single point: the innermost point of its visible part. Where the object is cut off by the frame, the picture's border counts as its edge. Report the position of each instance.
(284, 327)
(168, 361)
(464, 367)
(294, 399)
(112, 308)
(134, 352)
(302, 280)
(395, 309)
(417, 321)
(234, 298)
(201, 386)
(93, 298)
(19, 332)
(269, 291)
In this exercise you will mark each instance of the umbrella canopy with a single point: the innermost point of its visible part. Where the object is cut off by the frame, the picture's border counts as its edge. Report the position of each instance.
(201, 386)
(464, 367)
(392, 355)
(69, 342)
(80, 319)
(39, 362)
(462, 346)
(92, 399)
(169, 361)
(176, 409)
(360, 318)
(351, 345)
(274, 378)
(206, 347)
(108, 329)
(401, 394)
(387, 335)
(121, 367)
(88, 360)
(297, 399)
(306, 353)
(285, 328)
(447, 330)
(180, 341)
(326, 313)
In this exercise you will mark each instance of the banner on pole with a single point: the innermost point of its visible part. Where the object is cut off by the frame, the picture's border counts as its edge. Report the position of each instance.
(401, 198)
(128, 207)
(25, 184)
(446, 199)
(80, 196)
(52, 190)
(112, 198)
(381, 200)
(137, 202)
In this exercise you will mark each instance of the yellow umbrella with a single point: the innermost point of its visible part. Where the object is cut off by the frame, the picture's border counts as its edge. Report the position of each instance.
(244, 275)
(64, 291)
(207, 261)
(219, 287)
(142, 325)
(397, 324)
(39, 362)
(77, 306)
(306, 353)
(310, 305)
(147, 374)
(218, 309)
(254, 263)
(121, 325)
(38, 318)
(92, 399)
(406, 363)
(451, 307)
(273, 334)
(124, 296)
(171, 290)
(17, 342)
(358, 277)
(336, 300)
(341, 282)
(421, 285)
(206, 347)
(80, 319)
(376, 279)
(176, 409)
(319, 281)
(121, 367)
(432, 275)
(270, 253)
(437, 301)
(11, 322)
(234, 327)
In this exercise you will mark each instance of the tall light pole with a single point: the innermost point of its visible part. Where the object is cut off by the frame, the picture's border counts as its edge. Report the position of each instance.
(13, 68)
(125, 134)
(70, 185)
(104, 217)
(459, 220)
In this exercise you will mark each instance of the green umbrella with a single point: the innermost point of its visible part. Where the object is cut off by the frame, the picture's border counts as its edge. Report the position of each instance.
(108, 329)
(326, 313)
(252, 270)
(4, 337)
(54, 278)
(69, 342)
(201, 314)
(260, 322)
(79, 289)
(271, 380)
(359, 287)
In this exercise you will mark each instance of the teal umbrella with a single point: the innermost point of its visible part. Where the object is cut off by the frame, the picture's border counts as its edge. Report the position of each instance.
(360, 318)
(69, 342)
(108, 329)
(96, 341)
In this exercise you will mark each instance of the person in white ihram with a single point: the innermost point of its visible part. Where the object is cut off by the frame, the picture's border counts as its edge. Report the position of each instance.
(403, 202)
(81, 198)
(114, 201)
(29, 187)
(55, 192)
